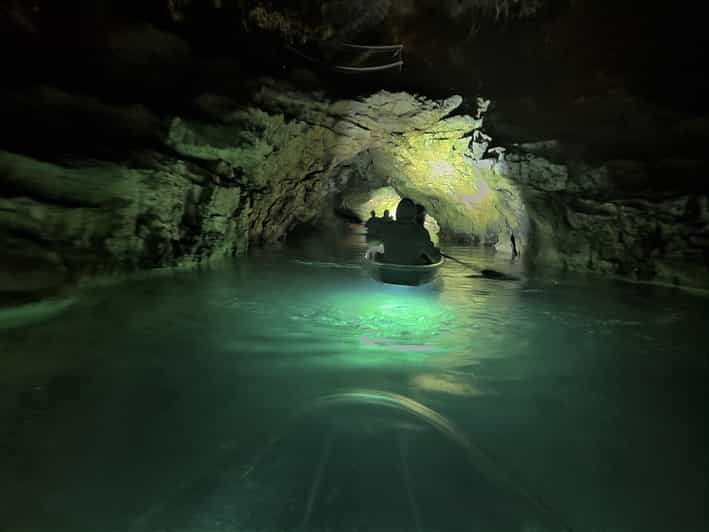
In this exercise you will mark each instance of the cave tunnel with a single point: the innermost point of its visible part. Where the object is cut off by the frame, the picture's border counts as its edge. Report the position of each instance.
(208, 323)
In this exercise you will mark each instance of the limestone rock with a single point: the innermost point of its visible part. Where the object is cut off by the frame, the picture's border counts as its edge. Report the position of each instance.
(535, 172)
(207, 186)
(128, 219)
(413, 146)
(609, 219)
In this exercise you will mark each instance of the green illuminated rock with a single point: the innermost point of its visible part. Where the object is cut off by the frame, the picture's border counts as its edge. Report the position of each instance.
(413, 145)
(470, 201)
(192, 190)
(242, 175)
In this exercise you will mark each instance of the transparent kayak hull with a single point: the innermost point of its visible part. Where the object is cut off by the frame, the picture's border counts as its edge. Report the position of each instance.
(404, 274)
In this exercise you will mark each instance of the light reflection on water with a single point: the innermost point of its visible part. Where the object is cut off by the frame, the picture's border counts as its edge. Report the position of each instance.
(161, 404)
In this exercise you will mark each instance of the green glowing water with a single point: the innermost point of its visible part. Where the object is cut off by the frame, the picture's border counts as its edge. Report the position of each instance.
(291, 392)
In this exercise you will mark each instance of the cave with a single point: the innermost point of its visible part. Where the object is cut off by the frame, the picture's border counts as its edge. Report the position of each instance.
(203, 322)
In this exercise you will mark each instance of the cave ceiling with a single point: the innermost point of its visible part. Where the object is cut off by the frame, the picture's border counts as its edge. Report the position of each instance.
(531, 48)
(616, 92)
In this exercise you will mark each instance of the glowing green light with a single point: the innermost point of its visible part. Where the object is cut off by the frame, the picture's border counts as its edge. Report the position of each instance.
(389, 326)
(360, 325)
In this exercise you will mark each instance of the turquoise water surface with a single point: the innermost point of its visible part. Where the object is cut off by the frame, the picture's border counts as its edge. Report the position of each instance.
(291, 392)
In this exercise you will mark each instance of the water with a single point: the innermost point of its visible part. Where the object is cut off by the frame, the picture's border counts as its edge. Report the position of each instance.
(291, 392)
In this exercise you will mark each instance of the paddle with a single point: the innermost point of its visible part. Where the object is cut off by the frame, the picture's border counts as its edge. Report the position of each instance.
(490, 274)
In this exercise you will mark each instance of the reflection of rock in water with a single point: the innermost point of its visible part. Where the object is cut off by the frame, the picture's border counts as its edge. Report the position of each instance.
(32, 313)
(448, 384)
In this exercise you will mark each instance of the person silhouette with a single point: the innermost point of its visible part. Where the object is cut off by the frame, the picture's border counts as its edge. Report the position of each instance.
(420, 215)
(373, 224)
(514, 245)
(387, 216)
(407, 242)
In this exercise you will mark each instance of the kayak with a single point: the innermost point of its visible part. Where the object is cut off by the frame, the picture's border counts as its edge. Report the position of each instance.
(406, 274)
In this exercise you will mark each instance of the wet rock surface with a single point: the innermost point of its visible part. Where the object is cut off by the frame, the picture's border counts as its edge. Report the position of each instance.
(198, 188)
(208, 185)
(143, 137)
(612, 218)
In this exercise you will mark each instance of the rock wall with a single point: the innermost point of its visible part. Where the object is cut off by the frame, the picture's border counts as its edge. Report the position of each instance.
(206, 190)
(611, 218)
(413, 145)
(62, 222)
(187, 190)
(141, 136)
(184, 190)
